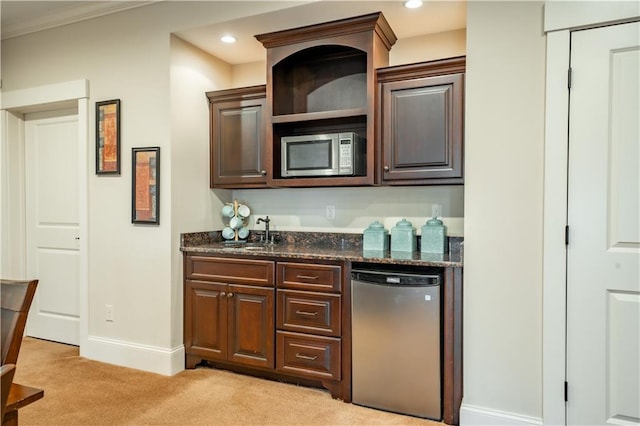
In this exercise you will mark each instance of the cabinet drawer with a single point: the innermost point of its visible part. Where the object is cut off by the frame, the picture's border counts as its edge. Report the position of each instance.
(308, 312)
(233, 271)
(306, 276)
(310, 356)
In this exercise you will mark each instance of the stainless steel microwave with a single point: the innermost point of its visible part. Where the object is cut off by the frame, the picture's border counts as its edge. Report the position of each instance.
(329, 154)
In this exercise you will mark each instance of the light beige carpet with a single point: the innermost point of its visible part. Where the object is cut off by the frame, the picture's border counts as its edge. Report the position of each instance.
(83, 392)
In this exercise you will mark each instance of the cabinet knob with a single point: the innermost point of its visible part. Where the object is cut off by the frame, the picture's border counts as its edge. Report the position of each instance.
(386, 168)
(223, 294)
(229, 295)
(263, 172)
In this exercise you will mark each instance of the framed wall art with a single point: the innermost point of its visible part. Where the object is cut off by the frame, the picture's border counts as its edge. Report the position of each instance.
(145, 192)
(108, 137)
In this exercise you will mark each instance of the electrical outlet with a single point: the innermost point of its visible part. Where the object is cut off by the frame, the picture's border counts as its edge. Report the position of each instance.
(436, 210)
(108, 313)
(330, 211)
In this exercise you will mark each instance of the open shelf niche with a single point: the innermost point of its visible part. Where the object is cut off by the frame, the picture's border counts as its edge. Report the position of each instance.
(321, 78)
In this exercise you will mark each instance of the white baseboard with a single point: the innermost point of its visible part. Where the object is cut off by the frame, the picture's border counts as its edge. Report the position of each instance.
(472, 416)
(141, 357)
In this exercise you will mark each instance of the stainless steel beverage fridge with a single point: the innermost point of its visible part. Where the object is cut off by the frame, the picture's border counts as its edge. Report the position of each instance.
(396, 336)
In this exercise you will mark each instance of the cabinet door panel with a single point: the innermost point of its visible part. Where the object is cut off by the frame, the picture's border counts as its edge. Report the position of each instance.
(420, 115)
(422, 130)
(206, 319)
(251, 325)
(239, 129)
(238, 137)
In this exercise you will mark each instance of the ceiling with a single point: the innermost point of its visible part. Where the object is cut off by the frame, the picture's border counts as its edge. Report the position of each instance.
(24, 17)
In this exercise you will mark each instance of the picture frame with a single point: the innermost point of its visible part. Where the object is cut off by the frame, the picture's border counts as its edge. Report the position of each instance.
(108, 137)
(145, 189)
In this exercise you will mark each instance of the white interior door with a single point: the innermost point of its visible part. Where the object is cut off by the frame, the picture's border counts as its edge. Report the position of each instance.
(52, 223)
(603, 268)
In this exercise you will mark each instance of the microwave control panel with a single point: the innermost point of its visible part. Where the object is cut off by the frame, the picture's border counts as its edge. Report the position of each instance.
(346, 155)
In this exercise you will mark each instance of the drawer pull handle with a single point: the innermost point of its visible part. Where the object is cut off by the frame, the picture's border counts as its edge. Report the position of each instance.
(307, 277)
(308, 358)
(307, 313)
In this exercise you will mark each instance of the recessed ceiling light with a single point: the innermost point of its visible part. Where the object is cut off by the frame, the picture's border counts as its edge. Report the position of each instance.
(228, 39)
(412, 4)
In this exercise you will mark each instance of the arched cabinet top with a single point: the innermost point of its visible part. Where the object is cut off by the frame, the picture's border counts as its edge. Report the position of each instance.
(311, 54)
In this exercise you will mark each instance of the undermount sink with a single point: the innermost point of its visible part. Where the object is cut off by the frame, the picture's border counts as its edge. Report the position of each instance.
(256, 247)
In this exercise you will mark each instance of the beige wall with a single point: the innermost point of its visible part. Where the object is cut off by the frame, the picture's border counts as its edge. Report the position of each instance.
(303, 209)
(429, 47)
(249, 74)
(193, 72)
(503, 207)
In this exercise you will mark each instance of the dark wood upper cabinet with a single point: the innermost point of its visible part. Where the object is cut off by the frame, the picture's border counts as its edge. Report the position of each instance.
(321, 79)
(421, 123)
(238, 138)
(334, 78)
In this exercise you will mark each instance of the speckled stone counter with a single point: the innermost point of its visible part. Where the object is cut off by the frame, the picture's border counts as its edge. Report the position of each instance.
(321, 246)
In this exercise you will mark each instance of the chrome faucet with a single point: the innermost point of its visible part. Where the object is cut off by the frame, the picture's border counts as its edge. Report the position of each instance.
(266, 221)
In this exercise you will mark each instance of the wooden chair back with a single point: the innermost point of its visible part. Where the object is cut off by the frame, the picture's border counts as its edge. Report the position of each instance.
(6, 376)
(15, 301)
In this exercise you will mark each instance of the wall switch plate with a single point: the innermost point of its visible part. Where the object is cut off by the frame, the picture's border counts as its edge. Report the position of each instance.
(436, 210)
(108, 313)
(330, 211)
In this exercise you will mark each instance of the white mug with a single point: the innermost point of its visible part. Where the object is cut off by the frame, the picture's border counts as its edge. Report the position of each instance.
(228, 233)
(243, 210)
(227, 211)
(235, 222)
(243, 232)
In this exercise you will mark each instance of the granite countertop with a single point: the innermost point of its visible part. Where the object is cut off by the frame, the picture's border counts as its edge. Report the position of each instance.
(321, 246)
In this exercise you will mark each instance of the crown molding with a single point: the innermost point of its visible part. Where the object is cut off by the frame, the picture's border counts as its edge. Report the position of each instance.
(80, 12)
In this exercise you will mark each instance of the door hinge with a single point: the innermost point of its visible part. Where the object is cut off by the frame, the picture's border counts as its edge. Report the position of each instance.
(569, 78)
(566, 391)
(566, 235)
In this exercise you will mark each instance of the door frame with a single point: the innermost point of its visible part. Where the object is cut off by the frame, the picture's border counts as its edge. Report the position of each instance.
(15, 104)
(560, 19)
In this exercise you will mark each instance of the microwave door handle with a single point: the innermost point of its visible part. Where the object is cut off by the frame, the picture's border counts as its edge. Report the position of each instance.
(336, 154)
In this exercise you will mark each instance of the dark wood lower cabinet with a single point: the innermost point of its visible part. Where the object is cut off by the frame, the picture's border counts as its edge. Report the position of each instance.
(229, 323)
(291, 321)
(231, 311)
